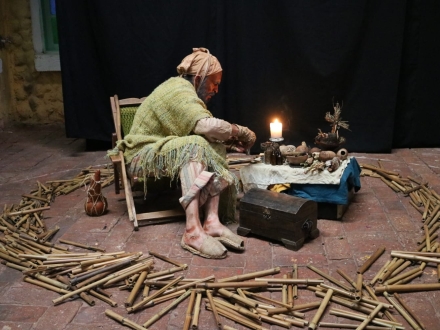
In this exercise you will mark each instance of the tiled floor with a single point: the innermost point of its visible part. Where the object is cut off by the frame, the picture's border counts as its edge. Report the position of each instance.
(377, 217)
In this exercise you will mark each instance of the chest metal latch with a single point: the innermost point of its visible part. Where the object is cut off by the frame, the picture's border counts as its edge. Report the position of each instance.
(266, 214)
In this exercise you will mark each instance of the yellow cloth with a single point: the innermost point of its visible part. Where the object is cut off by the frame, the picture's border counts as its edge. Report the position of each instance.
(279, 187)
(199, 63)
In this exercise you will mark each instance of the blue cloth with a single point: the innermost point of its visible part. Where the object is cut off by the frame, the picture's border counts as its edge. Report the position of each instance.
(326, 193)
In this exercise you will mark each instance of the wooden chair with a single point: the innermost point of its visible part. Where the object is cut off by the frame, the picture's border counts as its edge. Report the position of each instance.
(123, 113)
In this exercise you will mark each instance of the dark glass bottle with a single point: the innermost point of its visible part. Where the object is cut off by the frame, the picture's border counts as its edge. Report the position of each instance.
(268, 155)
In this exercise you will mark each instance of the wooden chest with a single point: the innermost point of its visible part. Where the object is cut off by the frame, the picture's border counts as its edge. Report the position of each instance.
(278, 216)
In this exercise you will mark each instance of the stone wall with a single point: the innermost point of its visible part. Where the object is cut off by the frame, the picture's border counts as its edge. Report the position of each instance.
(35, 97)
(4, 83)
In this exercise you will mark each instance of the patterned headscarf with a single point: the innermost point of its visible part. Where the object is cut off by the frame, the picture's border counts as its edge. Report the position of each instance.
(199, 63)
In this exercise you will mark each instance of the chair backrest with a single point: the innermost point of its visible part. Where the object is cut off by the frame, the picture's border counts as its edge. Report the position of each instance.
(123, 113)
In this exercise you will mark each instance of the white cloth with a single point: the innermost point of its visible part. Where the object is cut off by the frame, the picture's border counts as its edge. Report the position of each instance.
(263, 175)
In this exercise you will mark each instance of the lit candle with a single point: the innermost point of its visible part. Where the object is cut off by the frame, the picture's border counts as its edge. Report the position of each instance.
(276, 130)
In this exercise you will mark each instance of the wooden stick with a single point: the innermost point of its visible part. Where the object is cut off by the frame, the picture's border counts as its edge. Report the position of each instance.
(166, 309)
(125, 274)
(164, 258)
(328, 277)
(408, 310)
(313, 324)
(284, 290)
(401, 276)
(399, 269)
(347, 303)
(87, 247)
(389, 184)
(408, 287)
(241, 320)
(414, 180)
(248, 284)
(410, 278)
(103, 298)
(196, 314)
(430, 222)
(414, 257)
(398, 185)
(370, 317)
(415, 200)
(415, 188)
(250, 276)
(269, 300)
(136, 288)
(293, 321)
(402, 312)
(359, 281)
(11, 214)
(272, 320)
(167, 271)
(373, 296)
(418, 198)
(438, 266)
(362, 317)
(390, 270)
(161, 299)
(351, 295)
(245, 312)
(290, 291)
(348, 326)
(295, 276)
(214, 309)
(189, 310)
(374, 168)
(227, 327)
(423, 245)
(123, 320)
(237, 297)
(190, 284)
(44, 285)
(87, 298)
(376, 277)
(346, 277)
(154, 295)
(430, 232)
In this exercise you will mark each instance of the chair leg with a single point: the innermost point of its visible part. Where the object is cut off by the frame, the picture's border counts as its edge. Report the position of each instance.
(117, 179)
(128, 194)
(116, 169)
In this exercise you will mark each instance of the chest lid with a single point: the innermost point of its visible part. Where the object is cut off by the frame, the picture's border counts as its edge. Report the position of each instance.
(256, 198)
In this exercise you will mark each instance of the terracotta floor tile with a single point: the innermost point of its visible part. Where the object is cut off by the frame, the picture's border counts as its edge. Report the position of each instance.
(376, 217)
(337, 248)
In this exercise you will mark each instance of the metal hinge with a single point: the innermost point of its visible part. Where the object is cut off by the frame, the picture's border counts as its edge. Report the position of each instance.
(4, 41)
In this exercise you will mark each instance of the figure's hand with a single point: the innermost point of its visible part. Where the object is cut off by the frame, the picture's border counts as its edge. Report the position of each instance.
(246, 137)
(233, 145)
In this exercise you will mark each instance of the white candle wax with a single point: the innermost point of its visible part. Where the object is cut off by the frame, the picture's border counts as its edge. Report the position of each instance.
(276, 129)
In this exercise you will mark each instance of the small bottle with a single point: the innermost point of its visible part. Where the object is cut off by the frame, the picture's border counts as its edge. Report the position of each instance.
(279, 157)
(275, 154)
(267, 155)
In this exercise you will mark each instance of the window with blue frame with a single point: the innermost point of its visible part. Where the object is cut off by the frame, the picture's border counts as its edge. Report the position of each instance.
(50, 28)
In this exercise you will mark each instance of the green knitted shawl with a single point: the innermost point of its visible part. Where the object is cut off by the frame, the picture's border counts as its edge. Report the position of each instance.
(162, 133)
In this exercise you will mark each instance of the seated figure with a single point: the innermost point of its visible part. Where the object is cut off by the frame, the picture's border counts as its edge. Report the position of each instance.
(174, 135)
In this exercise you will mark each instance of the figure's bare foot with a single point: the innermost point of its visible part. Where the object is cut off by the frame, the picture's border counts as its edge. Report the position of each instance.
(223, 234)
(200, 243)
(194, 237)
(213, 227)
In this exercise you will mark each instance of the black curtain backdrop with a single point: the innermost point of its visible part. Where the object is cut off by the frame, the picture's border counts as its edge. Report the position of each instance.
(285, 59)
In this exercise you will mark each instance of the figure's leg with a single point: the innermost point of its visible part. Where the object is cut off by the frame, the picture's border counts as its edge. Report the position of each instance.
(194, 233)
(212, 224)
(193, 178)
(213, 227)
